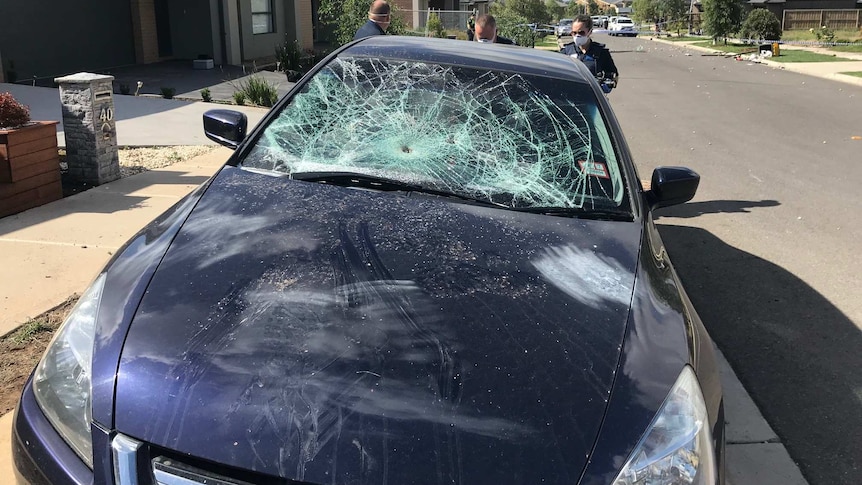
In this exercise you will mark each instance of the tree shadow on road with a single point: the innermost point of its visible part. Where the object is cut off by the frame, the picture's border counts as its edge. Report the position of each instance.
(797, 354)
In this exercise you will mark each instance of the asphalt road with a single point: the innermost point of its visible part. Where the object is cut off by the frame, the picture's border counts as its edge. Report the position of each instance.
(769, 248)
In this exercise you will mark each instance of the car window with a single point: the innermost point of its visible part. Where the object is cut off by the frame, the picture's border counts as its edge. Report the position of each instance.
(624, 21)
(517, 140)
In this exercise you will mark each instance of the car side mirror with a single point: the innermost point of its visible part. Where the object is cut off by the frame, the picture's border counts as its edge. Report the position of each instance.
(225, 127)
(672, 186)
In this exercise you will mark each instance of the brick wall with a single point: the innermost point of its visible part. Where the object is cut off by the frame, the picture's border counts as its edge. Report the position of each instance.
(304, 25)
(144, 30)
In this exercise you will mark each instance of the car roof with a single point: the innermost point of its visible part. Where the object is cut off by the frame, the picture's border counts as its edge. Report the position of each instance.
(469, 54)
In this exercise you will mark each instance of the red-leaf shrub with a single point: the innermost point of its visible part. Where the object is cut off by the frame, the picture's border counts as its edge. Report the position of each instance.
(12, 113)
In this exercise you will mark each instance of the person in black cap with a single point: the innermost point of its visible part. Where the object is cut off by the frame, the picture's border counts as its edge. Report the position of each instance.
(378, 20)
(486, 31)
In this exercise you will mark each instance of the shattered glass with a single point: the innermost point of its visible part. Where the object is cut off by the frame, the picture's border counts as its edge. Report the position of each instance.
(515, 140)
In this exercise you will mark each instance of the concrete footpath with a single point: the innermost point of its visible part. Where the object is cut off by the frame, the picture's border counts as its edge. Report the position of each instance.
(51, 252)
(834, 70)
(140, 120)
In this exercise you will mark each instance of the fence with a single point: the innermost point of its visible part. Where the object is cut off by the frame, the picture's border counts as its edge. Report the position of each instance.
(814, 19)
(418, 19)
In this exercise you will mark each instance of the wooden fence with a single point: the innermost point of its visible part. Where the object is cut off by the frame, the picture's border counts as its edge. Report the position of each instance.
(814, 19)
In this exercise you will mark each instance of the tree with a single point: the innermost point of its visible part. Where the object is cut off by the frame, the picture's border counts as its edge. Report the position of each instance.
(574, 9)
(513, 18)
(555, 10)
(721, 17)
(534, 11)
(512, 25)
(761, 24)
(675, 13)
(645, 10)
(434, 27)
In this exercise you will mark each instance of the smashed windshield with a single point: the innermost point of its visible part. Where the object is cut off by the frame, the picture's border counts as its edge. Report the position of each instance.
(515, 140)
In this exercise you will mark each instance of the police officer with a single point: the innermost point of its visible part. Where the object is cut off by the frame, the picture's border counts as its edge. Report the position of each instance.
(378, 20)
(471, 27)
(596, 56)
(486, 31)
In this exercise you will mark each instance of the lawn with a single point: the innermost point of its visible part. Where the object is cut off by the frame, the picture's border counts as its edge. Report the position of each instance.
(548, 41)
(789, 55)
(855, 74)
(683, 38)
(841, 36)
(847, 48)
(806, 36)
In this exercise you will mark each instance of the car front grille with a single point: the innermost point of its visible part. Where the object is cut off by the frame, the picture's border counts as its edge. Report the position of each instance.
(137, 463)
(169, 472)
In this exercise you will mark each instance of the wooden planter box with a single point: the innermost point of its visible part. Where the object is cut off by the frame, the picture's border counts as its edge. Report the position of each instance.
(29, 167)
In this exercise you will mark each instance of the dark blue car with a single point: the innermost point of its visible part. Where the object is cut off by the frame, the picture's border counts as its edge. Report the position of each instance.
(432, 262)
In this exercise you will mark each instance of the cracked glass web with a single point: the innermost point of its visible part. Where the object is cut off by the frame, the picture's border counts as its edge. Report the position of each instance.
(512, 139)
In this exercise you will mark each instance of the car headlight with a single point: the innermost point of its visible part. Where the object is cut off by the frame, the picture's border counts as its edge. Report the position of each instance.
(677, 447)
(62, 382)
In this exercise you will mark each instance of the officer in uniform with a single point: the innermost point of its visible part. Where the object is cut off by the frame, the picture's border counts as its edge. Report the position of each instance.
(596, 56)
(471, 27)
(378, 20)
(486, 31)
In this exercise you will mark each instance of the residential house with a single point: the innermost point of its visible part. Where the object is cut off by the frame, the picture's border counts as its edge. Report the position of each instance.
(40, 40)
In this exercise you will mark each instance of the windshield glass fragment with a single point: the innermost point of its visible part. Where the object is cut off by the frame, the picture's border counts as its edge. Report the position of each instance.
(510, 139)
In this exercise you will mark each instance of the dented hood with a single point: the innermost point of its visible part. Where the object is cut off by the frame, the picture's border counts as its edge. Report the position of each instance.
(337, 335)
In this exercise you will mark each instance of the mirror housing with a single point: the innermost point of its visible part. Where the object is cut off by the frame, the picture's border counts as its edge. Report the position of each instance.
(225, 127)
(672, 186)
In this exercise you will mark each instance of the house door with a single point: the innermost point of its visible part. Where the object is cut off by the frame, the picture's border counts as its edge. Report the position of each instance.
(163, 28)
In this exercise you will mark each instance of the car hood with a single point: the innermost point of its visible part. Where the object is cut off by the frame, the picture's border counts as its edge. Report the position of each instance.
(340, 335)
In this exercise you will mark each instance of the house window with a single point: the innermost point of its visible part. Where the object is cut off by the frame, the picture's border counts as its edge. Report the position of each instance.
(261, 17)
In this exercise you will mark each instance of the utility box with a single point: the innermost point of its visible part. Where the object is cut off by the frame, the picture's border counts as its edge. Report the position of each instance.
(202, 64)
(90, 128)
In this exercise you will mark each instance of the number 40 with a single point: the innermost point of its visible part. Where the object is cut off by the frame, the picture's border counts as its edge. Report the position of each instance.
(107, 114)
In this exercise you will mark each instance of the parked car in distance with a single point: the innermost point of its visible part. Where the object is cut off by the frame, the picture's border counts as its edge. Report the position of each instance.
(564, 27)
(426, 264)
(623, 26)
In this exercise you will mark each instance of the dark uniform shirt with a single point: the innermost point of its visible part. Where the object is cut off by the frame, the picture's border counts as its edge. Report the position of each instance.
(368, 29)
(597, 58)
(503, 40)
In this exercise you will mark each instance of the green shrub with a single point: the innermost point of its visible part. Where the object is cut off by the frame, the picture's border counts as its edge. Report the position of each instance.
(761, 24)
(239, 98)
(289, 56)
(259, 91)
(12, 113)
(823, 34)
(168, 93)
(206, 95)
(435, 26)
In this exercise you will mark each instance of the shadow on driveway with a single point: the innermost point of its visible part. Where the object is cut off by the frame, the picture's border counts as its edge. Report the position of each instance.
(798, 355)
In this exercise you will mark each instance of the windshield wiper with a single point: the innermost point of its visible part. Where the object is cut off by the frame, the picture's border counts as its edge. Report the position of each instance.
(580, 213)
(352, 179)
